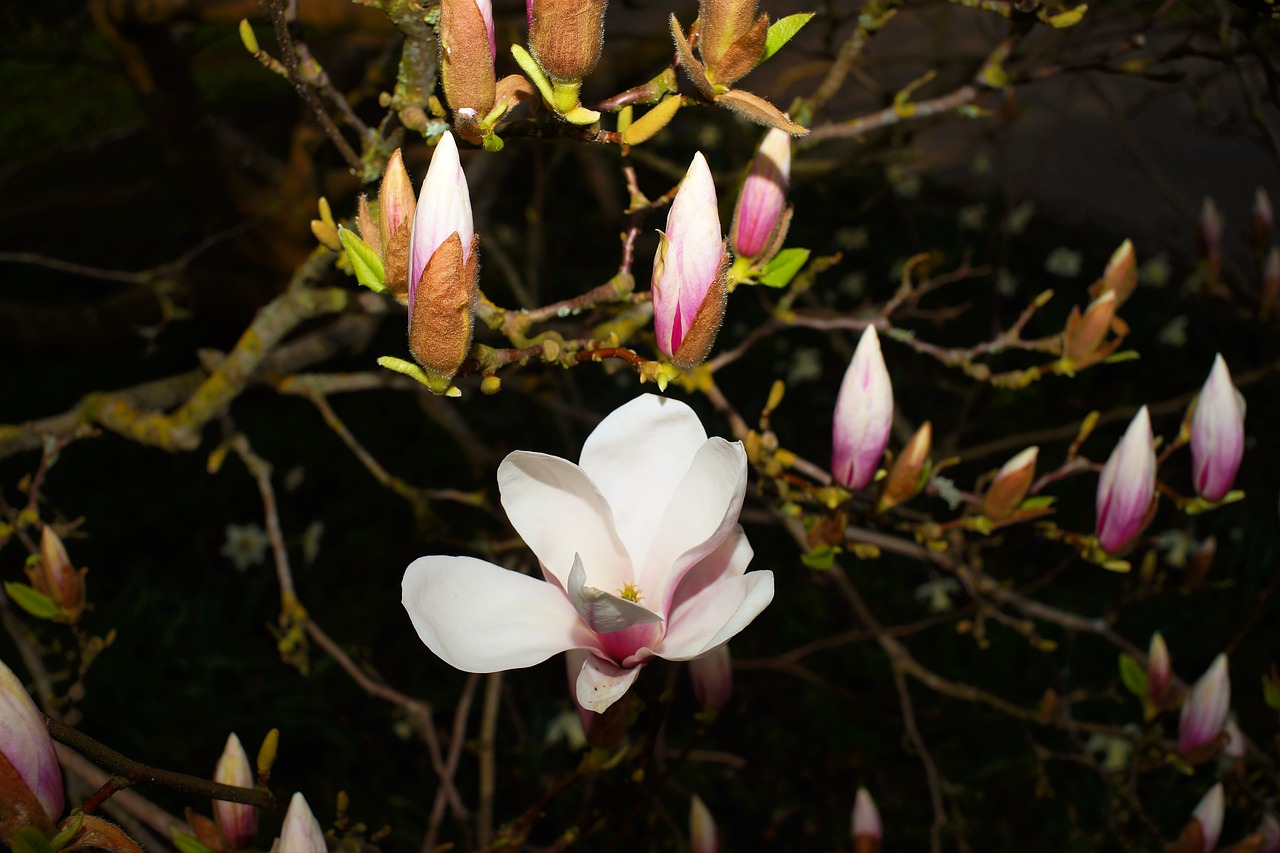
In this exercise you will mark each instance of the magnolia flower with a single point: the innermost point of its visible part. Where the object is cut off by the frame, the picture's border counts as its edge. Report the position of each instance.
(689, 271)
(1208, 813)
(237, 821)
(443, 264)
(1204, 712)
(30, 779)
(759, 223)
(1217, 434)
(301, 832)
(864, 414)
(1127, 485)
(640, 549)
(867, 831)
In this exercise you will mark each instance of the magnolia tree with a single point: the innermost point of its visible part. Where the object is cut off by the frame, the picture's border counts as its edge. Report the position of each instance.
(830, 561)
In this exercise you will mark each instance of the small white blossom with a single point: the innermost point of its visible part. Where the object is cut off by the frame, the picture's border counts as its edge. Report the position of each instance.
(1064, 262)
(246, 545)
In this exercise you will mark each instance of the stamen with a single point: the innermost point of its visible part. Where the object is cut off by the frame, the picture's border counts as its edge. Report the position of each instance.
(630, 592)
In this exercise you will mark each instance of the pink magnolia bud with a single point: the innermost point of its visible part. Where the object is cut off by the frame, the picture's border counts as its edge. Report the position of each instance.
(712, 677)
(867, 831)
(1263, 219)
(759, 217)
(1204, 712)
(1270, 282)
(1208, 813)
(1127, 485)
(689, 271)
(301, 832)
(238, 822)
(703, 837)
(906, 475)
(1234, 747)
(1159, 670)
(30, 779)
(1211, 227)
(443, 265)
(1217, 434)
(864, 414)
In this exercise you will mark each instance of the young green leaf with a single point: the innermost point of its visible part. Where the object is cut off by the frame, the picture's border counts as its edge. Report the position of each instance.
(365, 262)
(783, 267)
(34, 602)
(1133, 676)
(781, 32)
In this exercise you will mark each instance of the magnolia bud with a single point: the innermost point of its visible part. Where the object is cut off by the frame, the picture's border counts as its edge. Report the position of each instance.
(863, 416)
(30, 779)
(565, 36)
(731, 38)
(1120, 276)
(443, 265)
(712, 677)
(56, 577)
(1208, 814)
(1270, 282)
(689, 271)
(1263, 219)
(1159, 670)
(904, 476)
(702, 827)
(760, 220)
(467, 52)
(1085, 333)
(867, 831)
(238, 822)
(301, 832)
(1127, 485)
(1209, 239)
(1204, 712)
(1217, 434)
(396, 206)
(1010, 486)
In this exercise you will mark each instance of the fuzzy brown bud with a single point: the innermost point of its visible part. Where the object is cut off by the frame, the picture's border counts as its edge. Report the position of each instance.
(466, 62)
(396, 206)
(904, 476)
(442, 306)
(732, 38)
(1085, 333)
(565, 36)
(1010, 485)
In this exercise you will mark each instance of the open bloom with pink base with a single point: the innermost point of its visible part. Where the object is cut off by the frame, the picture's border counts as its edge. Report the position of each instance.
(639, 545)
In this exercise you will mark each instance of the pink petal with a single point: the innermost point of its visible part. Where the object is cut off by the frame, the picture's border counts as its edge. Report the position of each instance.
(863, 416)
(479, 617)
(25, 742)
(559, 512)
(637, 457)
(715, 615)
(600, 683)
(444, 207)
(729, 560)
(699, 517)
(1217, 434)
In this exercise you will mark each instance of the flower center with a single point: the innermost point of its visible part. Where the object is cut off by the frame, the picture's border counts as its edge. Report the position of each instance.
(630, 592)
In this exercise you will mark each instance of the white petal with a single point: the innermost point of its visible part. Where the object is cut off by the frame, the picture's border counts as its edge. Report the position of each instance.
(637, 457)
(600, 684)
(559, 512)
(479, 617)
(714, 615)
(603, 612)
(699, 517)
(729, 560)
